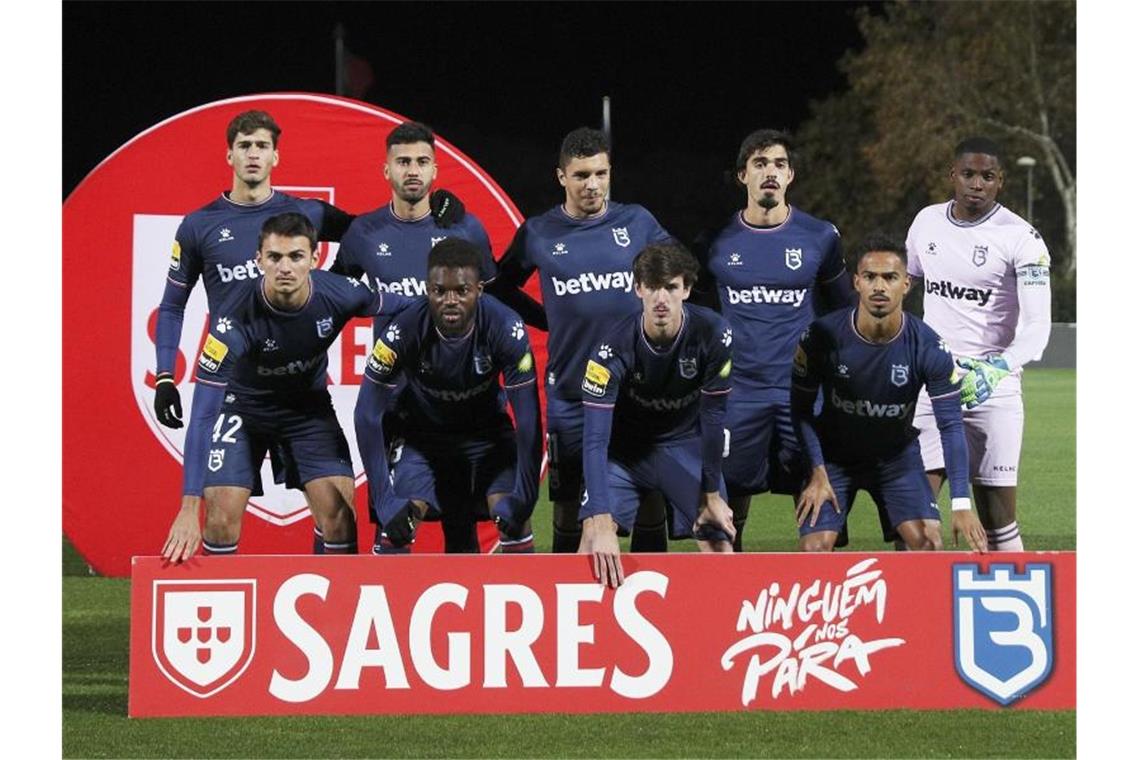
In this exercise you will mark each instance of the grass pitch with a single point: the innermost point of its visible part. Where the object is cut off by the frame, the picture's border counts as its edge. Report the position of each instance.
(96, 632)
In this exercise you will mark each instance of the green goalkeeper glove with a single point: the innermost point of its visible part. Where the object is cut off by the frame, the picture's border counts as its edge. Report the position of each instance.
(981, 379)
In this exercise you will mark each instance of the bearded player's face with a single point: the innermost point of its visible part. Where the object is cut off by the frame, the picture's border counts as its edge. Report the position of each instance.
(410, 169)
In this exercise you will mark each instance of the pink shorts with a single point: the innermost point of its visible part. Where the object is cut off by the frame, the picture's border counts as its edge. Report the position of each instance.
(993, 435)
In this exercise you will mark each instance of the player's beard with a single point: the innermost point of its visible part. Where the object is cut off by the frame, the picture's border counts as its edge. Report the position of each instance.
(768, 201)
(413, 196)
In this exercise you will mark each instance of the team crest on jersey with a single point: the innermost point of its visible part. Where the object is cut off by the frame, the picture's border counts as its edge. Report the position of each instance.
(688, 367)
(382, 360)
(176, 257)
(794, 257)
(900, 373)
(482, 364)
(216, 460)
(597, 379)
(621, 236)
(1003, 629)
(213, 352)
(202, 632)
(324, 327)
(980, 254)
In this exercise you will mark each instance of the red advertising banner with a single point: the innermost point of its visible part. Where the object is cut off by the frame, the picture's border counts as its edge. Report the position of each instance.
(685, 633)
(122, 470)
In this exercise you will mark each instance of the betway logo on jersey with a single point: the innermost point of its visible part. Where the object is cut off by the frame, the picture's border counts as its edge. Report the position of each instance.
(247, 271)
(589, 282)
(463, 395)
(664, 404)
(947, 289)
(295, 367)
(864, 408)
(762, 294)
(409, 286)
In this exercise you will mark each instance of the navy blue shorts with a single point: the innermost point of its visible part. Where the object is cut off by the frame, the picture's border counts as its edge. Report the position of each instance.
(763, 451)
(302, 437)
(897, 485)
(672, 468)
(564, 422)
(453, 475)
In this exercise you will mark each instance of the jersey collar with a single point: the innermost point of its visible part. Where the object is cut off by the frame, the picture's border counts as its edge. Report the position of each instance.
(232, 202)
(976, 222)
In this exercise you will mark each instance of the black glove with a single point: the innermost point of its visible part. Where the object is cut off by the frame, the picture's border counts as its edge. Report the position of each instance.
(507, 520)
(167, 401)
(446, 208)
(401, 529)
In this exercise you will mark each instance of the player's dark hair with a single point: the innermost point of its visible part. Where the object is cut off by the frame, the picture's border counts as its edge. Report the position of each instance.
(582, 142)
(761, 140)
(983, 145)
(248, 122)
(658, 263)
(454, 253)
(290, 224)
(879, 242)
(410, 132)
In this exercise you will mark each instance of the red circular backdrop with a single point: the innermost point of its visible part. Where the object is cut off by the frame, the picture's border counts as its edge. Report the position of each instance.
(122, 471)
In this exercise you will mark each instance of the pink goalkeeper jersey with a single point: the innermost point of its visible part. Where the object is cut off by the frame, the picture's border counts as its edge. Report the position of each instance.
(969, 274)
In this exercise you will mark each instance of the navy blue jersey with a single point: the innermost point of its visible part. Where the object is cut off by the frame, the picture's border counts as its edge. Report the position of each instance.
(765, 278)
(261, 351)
(218, 242)
(586, 278)
(393, 252)
(453, 383)
(655, 392)
(869, 389)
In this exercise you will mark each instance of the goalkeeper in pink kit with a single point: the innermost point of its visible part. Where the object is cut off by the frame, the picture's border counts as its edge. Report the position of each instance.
(985, 282)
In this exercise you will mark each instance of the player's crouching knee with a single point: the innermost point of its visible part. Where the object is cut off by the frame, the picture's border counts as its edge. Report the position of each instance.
(818, 542)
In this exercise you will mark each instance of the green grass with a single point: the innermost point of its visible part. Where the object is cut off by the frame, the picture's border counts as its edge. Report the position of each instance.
(96, 630)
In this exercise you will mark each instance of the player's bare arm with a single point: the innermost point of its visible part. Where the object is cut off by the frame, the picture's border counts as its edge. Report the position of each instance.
(599, 539)
(965, 522)
(817, 491)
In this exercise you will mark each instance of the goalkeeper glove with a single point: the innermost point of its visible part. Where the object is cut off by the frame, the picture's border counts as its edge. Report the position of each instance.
(446, 208)
(508, 520)
(401, 529)
(167, 401)
(981, 379)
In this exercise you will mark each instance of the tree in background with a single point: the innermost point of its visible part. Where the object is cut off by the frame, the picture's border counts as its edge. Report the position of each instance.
(929, 75)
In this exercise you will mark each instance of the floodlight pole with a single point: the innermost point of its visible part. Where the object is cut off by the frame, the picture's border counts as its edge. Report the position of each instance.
(1028, 162)
(609, 136)
(338, 55)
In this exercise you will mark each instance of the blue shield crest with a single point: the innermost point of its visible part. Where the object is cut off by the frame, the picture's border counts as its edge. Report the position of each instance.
(1003, 629)
(900, 373)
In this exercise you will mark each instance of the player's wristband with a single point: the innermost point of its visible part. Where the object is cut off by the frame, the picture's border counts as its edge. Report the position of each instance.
(164, 377)
(960, 504)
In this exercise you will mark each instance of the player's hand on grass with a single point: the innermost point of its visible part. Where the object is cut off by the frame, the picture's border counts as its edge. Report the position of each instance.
(966, 523)
(981, 379)
(715, 514)
(446, 208)
(599, 539)
(167, 401)
(815, 494)
(185, 534)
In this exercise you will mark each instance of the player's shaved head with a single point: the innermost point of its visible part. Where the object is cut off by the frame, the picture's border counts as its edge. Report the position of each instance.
(659, 263)
(582, 142)
(879, 242)
(761, 140)
(982, 145)
(410, 132)
(288, 225)
(454, 253)
(248, 122)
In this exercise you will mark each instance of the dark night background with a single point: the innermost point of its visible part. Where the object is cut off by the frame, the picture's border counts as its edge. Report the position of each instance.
(502, 81)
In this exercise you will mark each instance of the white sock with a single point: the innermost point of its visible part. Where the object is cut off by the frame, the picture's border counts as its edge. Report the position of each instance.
(1007, 539)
